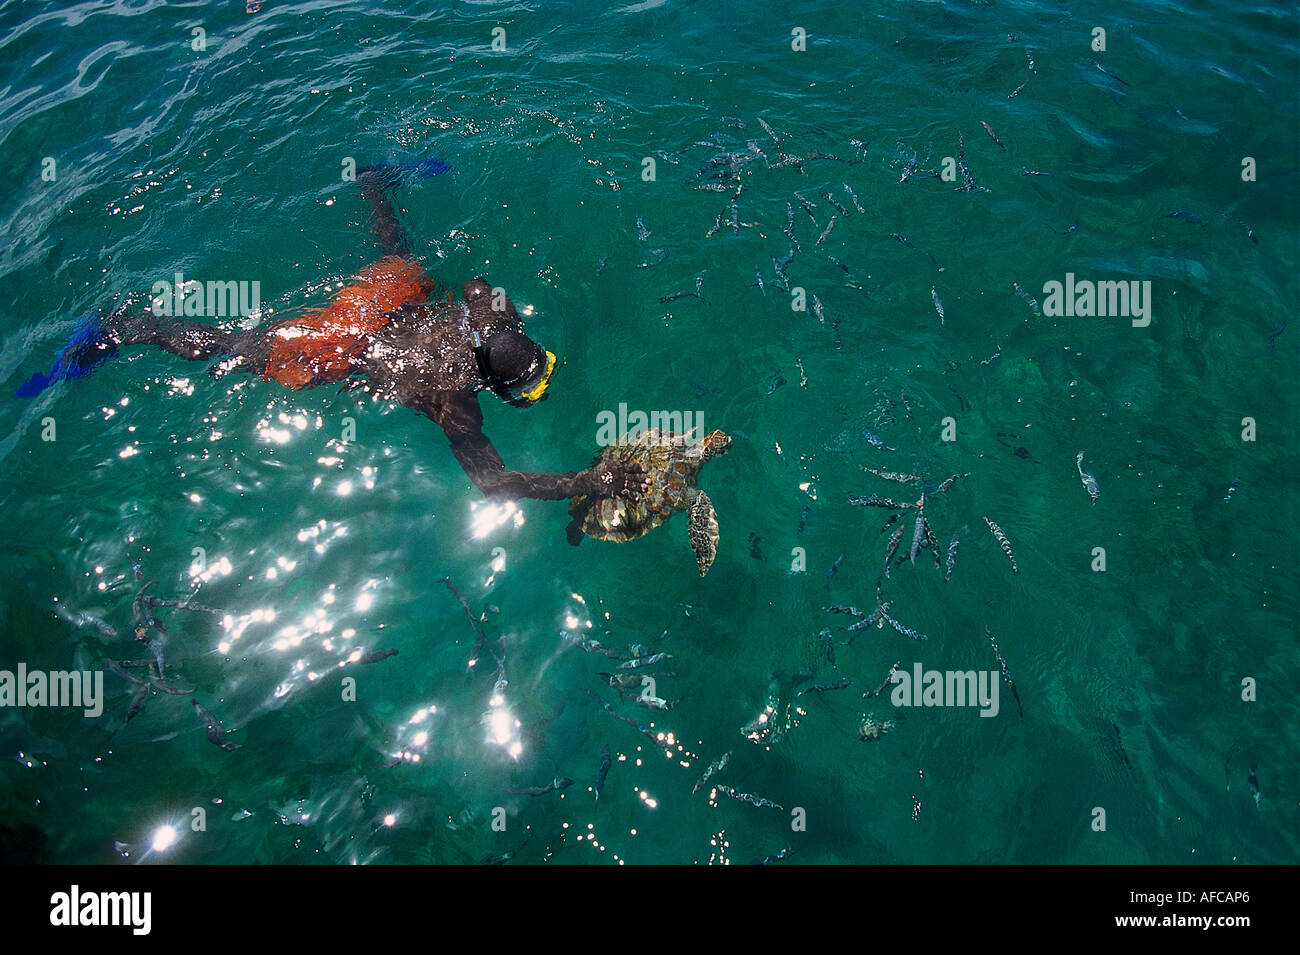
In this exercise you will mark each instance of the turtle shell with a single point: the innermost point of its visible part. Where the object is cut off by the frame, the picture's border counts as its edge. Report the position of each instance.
(671, 466)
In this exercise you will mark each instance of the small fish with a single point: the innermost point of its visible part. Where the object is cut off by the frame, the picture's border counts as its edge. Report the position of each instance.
(907, 242)
(938, 305)
(119, 670)
(658, 256)
(759, 275)
(836, 261)
(1089, 482)
(138, 700)
(1191, 217)
(640, 662)
(770, 132)
(170, 690)
(825, 232)
(949, 482)
(842, 608)
(1072, 227)
(708, 235)
(875, 619)
(676, 295)
(834, 567)
(826, 194)
(1250, 232)
(216, 735)
(918, 533)
(787, 160)
(803, 518)
(1272, 338)
(623, 682)
(655, 702)
(1236, 483)
(857, 205)
(1003, 543)
(1030, 57)
(1007, 673)
(1026, 171)
(859, 145)
(155, 649)
(892, 476)
(905, 631)
(992, 135)
(699, 282)
(1254, 782)
(1015, 92)
(713, 187)
(875, 442)
(1027, 298)
(827, 643)
(825, 687)
(808, 207)
(908, 169)
(874, 500)
(775, 857)
(642, 232)
(605, 763)
(1110, 74)
(893, 547)
(748, 797)
(715, 767)
(952, 558)
(374, 656)
(889, 678)
(143, 619)
(773, 383)
(789, 216)
(932, 543)
(818, 310)
(555, 785)
(589, 645)
(803, 377)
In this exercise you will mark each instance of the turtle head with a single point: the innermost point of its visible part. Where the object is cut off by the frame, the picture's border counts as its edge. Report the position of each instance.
(714, 443)
(516, 368)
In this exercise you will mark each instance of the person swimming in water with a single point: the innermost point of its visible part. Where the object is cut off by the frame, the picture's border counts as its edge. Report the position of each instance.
(391, 333)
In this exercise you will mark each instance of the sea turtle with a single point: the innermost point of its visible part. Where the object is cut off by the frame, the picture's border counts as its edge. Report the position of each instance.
(672, 462)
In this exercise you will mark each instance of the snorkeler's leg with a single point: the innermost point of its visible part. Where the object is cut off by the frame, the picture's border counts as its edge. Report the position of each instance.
(373, 180)
(192, 340)
(97, 339)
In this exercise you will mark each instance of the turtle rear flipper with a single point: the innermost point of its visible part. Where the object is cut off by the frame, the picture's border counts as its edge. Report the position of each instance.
(574, 531)
(703, 530)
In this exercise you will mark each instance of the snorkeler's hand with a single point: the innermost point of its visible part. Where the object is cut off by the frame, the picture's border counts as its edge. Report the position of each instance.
(620, 477)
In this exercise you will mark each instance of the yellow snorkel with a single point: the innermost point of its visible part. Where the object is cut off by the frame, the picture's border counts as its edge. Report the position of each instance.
(539, 389)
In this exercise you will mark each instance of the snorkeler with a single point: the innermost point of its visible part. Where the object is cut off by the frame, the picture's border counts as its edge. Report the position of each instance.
(392, 334)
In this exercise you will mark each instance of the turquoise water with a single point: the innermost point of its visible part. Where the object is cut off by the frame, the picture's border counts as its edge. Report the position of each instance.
(226, 164)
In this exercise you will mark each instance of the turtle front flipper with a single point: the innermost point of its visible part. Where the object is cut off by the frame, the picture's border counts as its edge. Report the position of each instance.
(703, 529)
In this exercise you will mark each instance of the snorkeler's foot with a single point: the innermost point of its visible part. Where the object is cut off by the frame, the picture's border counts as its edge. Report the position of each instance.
(87, 347)
(404, 171)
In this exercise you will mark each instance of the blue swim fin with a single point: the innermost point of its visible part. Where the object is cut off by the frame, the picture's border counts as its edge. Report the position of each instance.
(84, 350)
(407, 170)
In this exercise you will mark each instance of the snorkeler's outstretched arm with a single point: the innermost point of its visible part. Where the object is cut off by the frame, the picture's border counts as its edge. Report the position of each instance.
(461, 418)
